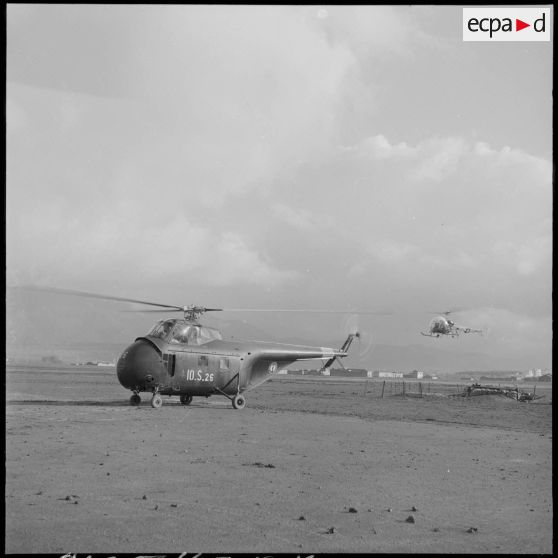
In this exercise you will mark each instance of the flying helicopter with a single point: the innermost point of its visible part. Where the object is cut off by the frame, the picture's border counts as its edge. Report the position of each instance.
(181, 357)
(442, 325)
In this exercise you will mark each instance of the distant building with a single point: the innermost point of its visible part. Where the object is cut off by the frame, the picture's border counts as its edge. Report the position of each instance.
(390, 375)
(414, 374)
(350, 372)
(498, 379)
(385, 374)
(302, 372)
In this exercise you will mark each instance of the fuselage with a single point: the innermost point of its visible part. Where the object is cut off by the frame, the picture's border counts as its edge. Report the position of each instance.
(441, 325)
(173, 364)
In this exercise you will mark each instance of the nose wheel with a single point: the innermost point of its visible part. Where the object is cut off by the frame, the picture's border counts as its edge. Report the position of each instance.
(156, 401)
(135, 400)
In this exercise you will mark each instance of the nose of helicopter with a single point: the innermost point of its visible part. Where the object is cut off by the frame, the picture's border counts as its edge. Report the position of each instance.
(140, 366)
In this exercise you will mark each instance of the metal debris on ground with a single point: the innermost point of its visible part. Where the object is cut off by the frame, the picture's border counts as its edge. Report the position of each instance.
(511, 392)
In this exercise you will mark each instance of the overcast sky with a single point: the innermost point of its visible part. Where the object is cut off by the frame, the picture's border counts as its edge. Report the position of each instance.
(292, 157)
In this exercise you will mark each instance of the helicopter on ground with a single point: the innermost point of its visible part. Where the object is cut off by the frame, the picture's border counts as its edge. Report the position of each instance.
(181, 357)
(442, 325)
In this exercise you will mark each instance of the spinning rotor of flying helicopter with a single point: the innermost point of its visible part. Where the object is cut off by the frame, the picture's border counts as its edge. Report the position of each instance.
(182, 357)
(442, 325)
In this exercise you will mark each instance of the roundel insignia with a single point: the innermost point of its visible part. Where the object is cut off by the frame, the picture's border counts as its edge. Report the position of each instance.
(272, 368)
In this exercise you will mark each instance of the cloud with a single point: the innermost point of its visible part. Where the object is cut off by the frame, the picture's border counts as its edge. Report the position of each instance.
(435, 158)
(301, 219)
(237, 263)
(439, 159)
(528, 257)
(516, 333)
(16, 118)
(134, 249)
(379, 147)
(477, 226)
(217, 103)
(370, 31)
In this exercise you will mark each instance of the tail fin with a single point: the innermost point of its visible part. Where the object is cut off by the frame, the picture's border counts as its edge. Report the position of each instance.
(342, 351)
(345, 347)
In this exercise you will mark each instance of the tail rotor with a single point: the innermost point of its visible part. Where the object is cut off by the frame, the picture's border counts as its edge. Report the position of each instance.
(365, 341)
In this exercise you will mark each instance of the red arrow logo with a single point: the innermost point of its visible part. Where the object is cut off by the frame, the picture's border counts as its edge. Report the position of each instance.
(519, 25)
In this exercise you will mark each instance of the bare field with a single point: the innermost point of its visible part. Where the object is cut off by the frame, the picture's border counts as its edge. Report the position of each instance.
(310, 465)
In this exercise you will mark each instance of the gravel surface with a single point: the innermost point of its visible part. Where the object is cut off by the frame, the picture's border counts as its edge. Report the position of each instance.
(312, 466)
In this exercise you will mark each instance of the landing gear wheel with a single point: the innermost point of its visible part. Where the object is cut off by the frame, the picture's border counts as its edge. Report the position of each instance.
(135, 399)
(186, 399)
(238, 402)
(156, 401)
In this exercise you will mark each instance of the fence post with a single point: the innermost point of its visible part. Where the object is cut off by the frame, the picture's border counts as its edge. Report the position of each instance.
(383, 386)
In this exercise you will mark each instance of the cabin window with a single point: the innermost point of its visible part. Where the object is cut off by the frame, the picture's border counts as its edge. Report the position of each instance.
(224, 363)
(203, 361)
(169, 361)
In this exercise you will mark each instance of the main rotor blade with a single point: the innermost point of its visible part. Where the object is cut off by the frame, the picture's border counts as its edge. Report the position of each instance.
(85, 294)
(177, 309)
(452, 311)
(159, 310)
(307, 310)
(93, 295)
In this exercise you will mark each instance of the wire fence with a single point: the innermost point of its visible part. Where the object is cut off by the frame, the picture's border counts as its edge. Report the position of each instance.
(390, 388)
(395, 387)
(417, 388)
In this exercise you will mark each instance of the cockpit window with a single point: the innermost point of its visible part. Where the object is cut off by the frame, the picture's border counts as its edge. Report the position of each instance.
(184, 332)
(161, 329)
(190, 334)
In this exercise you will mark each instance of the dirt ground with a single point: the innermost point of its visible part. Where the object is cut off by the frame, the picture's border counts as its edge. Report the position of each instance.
(308, 466)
